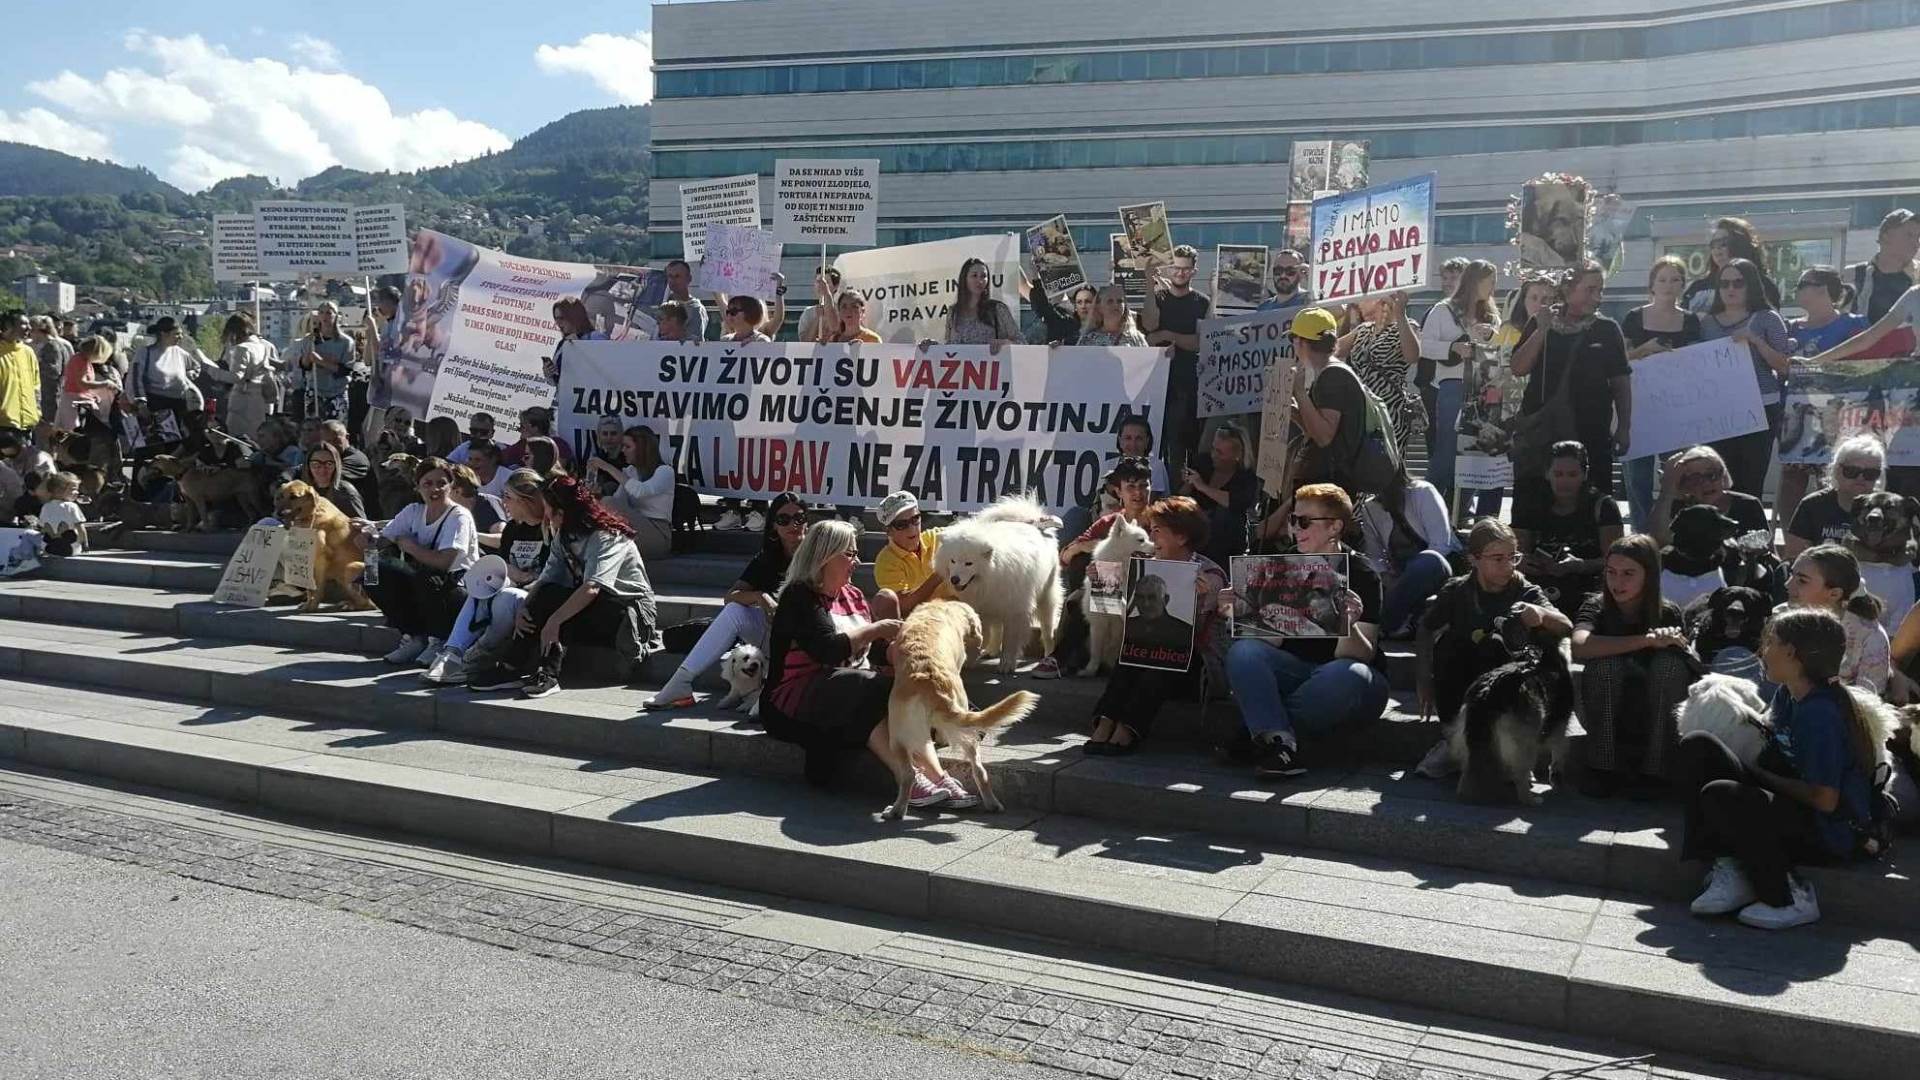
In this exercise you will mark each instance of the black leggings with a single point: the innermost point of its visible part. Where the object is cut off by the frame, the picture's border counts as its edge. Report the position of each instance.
(1134, 695)
(1730, 813)
(1747, 456)
(599, 621)
(412, 601)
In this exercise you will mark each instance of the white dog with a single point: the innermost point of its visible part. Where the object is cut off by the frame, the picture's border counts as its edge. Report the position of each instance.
(745, 668)
(1005, 565)
(1731, 708)
(1105, 632)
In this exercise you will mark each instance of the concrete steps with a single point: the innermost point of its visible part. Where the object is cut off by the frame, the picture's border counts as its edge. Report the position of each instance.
(1507, 947)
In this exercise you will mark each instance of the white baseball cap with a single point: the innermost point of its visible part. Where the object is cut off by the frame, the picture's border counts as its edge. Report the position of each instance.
(895, 505)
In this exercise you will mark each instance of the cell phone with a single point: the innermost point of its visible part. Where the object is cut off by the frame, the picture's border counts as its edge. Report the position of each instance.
(1201, 462)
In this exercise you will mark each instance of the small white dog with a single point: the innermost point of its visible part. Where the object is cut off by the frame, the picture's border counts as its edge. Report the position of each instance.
(1729, 707)
(1005, 565)
(1105, 632)
(745, 668)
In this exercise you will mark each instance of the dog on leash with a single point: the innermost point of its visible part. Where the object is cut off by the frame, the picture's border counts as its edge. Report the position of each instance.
(930, 701)
(335, 559)
(1514, 716)
(1006, 566)
(1105, 631)
(205, 487)
(745, 668)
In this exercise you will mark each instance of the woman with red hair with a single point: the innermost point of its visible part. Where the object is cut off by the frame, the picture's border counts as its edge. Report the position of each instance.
(593, 588)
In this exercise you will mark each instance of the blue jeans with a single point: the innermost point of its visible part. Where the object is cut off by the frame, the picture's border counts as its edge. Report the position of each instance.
(1446, 415)
(1637, 474)
(1279, 691)
(1419, 580)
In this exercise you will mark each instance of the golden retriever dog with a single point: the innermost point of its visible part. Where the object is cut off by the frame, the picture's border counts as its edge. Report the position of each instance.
(335, 559)
(204, 487)
(929, 699)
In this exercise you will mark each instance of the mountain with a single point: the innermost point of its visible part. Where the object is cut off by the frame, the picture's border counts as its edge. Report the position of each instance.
(32, 170)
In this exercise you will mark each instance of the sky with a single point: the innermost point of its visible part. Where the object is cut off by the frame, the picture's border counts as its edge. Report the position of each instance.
(199, 91)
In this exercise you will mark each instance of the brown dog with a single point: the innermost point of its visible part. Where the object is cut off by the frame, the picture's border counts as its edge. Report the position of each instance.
(335, 559)
(88, 457)
(397, 486)
(205, 487)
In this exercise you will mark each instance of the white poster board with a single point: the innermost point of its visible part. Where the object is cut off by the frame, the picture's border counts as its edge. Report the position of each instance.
(1482, 472)
(1235, 357)
(826, 201)
(1374, 240)
(741, 260)
(236, 248)
(305, 238)
(909, 289)
(730, 200)
(1699, 394)
(296, 560)
(249, 574)
(380, 238)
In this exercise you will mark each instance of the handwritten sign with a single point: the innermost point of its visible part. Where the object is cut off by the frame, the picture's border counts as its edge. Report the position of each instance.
(1374, 240)
(1698, 394)
(740, 261)
(730, 200)
(1482, 472)
(1235, 357)
(249, 574)
(1276, 416)
(296, 559)
(826, 201)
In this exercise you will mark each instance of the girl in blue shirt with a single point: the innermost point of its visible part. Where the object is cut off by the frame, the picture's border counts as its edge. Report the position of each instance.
(1800, 798)
(1821, 293)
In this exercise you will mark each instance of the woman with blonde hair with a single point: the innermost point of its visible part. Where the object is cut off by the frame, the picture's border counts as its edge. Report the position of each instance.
(1452, 329)
(90, 383)
(1111, 322)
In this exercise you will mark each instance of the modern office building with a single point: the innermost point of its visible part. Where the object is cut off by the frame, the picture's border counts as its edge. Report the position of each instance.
(993, 115)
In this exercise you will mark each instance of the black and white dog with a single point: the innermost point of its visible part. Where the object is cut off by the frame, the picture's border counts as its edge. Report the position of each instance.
(1513, 715)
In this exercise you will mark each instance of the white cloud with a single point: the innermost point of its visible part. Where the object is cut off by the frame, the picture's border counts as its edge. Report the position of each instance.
(622, 65)
(228, 115)
(40, 127)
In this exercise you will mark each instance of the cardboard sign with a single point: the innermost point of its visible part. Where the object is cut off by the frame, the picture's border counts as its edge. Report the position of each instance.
(730, 200)
(1159, 630)
(1239, 277)
(1290, 596)
(249, 574)
(296, 558)
(1482, 472)
(236, 248)
(1276, 417)
(380, 238)
(1374, 240)
(1235, 357)
(1699, 394)
(1056, 261)
(741, 261)
(826, 201)
(1126, 271)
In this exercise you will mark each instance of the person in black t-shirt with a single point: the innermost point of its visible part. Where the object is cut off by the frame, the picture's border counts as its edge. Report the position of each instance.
(1573, 340)
(1461, 619)
(1699, 474)
(1636, 671)
(1826, 516)
(1564, 527)
(1170, 318)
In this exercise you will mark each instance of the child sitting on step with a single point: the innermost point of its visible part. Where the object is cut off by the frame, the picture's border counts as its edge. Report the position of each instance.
(61, 520)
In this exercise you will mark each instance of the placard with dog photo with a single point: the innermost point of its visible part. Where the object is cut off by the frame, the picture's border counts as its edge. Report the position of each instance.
(1056, 261)
(1290, 596)
(1160, 614)
(1106, 588)
(1146, 228)
(1126, 268)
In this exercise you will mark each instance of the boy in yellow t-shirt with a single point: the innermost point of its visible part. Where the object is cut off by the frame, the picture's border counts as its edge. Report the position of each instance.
(909, 563)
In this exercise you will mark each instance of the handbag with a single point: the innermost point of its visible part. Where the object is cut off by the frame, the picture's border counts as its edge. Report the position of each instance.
(441, 581)
(1534, 433)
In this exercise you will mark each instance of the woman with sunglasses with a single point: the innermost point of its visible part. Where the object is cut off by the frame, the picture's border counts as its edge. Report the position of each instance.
(741, 319)
(908, 566)
(1310, 685)
(1821, 294)
(1698, 475)
(1741, 312)
(749, 603)
(1858, 466)
(1732, 238)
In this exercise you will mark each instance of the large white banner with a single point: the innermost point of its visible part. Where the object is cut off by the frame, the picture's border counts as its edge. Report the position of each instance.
(846, 424)
(236, 248)
(730, 200)
(1699, 394)
(910, 289)
(476, 326)
(826, 200)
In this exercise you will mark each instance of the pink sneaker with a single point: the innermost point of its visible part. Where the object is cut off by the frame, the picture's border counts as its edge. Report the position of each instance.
(958, 797)
(925, 793)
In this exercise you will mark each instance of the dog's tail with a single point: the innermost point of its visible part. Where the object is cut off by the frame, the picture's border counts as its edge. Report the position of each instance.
(953, 694)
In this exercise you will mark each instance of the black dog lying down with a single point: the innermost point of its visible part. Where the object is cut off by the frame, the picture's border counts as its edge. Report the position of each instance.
(1512, 715)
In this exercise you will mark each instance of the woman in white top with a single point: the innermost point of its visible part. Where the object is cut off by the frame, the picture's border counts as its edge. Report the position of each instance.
(251, 365)
(415, 577)
(645, 494)
(1447, 338)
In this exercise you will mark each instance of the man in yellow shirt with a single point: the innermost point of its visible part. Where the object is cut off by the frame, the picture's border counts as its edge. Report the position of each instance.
(907, 564)
(19, 375)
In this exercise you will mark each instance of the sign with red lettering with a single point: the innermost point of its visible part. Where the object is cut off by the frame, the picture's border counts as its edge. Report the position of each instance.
(1374, 240)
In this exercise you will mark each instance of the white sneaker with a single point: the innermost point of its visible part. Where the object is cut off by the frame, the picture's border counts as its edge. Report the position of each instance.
(1728, 889)
(756, 522)
(1802, 908)
(430, 650)
(728, 520)
(448, 668)
(408, 650)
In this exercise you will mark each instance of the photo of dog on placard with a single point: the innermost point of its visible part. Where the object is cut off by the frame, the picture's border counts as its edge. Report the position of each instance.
(1160, 614)
(1553, 225)
(1289, 596)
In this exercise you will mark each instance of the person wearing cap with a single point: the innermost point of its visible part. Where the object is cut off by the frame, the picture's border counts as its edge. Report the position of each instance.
(1333, 414)
(907, 564)
(484, 626)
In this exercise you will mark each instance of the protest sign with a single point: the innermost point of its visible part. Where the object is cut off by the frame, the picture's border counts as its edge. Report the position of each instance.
(1489, 400)
(1106, 586)
(826, 201)
(1373, 240)
(1553, 224)
(1698, 394)
(1307, 179)
(909, 289)
(1126, 269)
(958, 426)
(730, 200)
(236, 248)
(1239, 277)
(296, 559)
(380, 238)
(1235, 357)
(249, 574)
(1056, 262)
(1158, 632)
(1827, 403)
(1348, 170)
(1482, 472)
(1276, 418)
(1147, 233)
(741, 260)
(476, 326)
(305, 238)
(1289, 596)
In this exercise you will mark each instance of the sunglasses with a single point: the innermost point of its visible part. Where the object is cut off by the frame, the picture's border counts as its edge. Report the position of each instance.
(790, 519)
(1302, 522)
(903, 524)
(1696, 478)
(1860, 472)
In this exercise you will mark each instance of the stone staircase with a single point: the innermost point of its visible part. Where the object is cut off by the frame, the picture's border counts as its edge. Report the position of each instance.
(1360, 877)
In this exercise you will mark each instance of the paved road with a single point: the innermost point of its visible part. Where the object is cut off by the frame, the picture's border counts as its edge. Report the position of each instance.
(110, 970)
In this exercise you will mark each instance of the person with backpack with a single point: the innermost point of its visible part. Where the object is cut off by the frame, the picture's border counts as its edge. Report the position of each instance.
(1584, 388)
(1347, 438)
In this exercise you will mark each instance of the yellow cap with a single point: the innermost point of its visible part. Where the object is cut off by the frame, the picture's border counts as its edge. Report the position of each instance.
(1315, 323)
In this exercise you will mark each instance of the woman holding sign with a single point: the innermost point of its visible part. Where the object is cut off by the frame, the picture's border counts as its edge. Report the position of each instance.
(1742, 312)
(1581, 387)
(1660, 325)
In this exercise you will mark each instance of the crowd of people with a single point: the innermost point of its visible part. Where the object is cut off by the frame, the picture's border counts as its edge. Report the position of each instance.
(495, 559)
